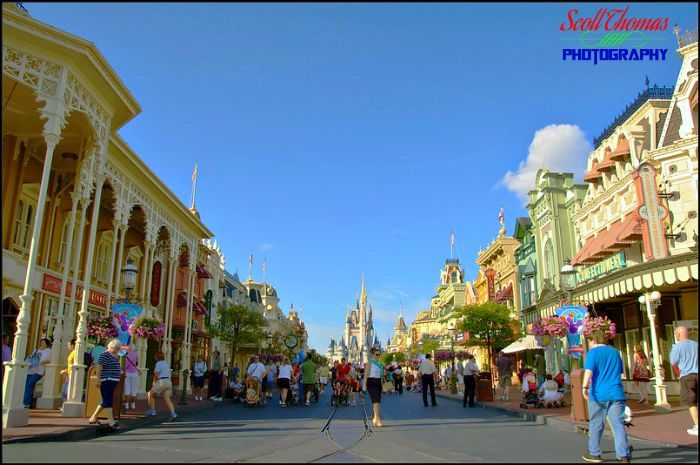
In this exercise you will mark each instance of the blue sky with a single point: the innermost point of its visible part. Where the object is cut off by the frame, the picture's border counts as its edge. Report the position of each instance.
(342, 139)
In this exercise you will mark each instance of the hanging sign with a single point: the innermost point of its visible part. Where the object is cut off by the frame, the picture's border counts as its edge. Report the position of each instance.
(123, 316)
(575, 316)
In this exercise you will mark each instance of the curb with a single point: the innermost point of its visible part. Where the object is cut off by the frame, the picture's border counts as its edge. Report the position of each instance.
(562, 424)
(92, 432)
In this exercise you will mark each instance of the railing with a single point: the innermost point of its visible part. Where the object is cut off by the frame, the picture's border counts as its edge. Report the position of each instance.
(690, 37)
(655, 92)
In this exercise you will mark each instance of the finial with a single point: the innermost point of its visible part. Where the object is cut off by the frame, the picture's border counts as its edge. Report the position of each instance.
(677, 33)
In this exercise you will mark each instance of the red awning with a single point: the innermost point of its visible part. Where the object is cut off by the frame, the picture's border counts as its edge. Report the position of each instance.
(202, 272)
(181, 300)
(606, 164)
(505, 294)
(620, 235)
(592, 175)
(622, 150)
(582, 254)
(199, 308)
(629, 232)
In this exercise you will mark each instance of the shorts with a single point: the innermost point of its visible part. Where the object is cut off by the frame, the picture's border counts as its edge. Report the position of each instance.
(199, 381)
(309, 388)
(263, 385)
(504, 381)
(689, 389)
(162, 386)
(283, 383)
(107, 391)
(323, 380)
(374, 389)
(131, 384)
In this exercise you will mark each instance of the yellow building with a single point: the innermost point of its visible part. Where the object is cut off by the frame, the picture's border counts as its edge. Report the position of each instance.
(78, 204)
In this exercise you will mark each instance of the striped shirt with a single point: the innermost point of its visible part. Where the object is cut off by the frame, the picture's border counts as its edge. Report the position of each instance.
(110, 367)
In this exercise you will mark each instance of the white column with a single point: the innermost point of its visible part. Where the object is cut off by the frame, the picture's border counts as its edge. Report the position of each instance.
(13, 412)
(124, 227)
(149, 280)
(51, 396)
(141, 346)
(185, 352)
(144, 272)
(115, 231)
(169, 297)
(74, 406)
(52, 223)
(661, 405)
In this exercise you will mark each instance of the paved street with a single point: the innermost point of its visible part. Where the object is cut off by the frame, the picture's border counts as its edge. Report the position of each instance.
(413, 434)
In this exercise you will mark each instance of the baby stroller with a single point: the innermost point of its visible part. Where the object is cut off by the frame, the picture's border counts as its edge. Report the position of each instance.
(530, 396)
(341, 393)
(252, 393)
(293, 394)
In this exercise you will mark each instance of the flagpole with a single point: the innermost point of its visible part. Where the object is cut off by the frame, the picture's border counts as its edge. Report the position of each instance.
(194, 184)
(250, 271)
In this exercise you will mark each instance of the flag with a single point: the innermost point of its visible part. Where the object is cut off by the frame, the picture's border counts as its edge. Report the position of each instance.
(194, 173)
(264, 265)
(500, 216)
(250, 259)
(452, 238)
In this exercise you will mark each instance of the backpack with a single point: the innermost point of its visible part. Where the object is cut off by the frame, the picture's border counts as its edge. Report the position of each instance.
(88, 359)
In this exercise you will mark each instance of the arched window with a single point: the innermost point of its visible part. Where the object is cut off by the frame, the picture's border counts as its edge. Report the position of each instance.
(17, 238)
(548, 259)
(455, 278)
(27, 226)
(101, 264)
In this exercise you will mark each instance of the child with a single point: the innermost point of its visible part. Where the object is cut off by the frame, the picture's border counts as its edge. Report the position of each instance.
(550, 392)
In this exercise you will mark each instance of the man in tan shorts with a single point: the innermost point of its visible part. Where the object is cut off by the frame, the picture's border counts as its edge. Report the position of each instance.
(162, 386)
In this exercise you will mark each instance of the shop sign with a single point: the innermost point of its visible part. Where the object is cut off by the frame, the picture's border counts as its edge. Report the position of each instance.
(613, 263)
(53, 284)
(575, 316)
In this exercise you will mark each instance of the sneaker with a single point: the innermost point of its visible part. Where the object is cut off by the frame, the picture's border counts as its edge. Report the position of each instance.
(173, 416)
(212, 398)
(151, 412)
(308, 403)
(133, 405)
(219, 399)
(592, 458)
(693, 431)
(126, 406)
(623, 459)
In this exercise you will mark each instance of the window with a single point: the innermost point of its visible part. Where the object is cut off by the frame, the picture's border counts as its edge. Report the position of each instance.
(27, 225)
(548, 259)
(17, 239)
(64, 244)
(23, 225)
(101, 263)
(454, 277)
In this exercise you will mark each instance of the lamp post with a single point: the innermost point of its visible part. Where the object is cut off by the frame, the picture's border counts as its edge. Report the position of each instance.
(453, 379)
(129, 273)
(269, 340)
(650, 301)
(567, 278)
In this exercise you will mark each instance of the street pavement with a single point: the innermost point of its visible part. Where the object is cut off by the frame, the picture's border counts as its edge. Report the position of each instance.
(229, 433)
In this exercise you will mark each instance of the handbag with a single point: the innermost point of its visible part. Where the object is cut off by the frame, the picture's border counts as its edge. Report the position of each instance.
(644, 372)
(33, 359)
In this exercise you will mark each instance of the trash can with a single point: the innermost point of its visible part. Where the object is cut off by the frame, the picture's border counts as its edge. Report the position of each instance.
(93, 396)
(484, 387)
(579, 404)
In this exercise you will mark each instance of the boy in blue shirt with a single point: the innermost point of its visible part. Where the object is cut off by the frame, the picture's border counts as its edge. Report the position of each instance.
(602, 388)
(684, 354)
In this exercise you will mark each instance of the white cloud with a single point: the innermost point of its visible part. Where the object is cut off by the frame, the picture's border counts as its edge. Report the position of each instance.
(557, 147)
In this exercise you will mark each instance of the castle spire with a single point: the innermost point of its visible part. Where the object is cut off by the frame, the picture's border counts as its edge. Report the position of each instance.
(363, 294)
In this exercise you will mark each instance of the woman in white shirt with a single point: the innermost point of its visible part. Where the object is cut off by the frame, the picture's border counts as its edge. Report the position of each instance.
(372, 383)
(162, 385)
(283, 377)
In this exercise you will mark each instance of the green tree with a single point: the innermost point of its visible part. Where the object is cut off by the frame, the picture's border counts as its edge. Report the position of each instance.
(489, 325)
(236, 326)
(387, 357)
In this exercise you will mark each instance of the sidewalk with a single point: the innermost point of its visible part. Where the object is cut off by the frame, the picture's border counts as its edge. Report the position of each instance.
(668, 429)
(49, 425)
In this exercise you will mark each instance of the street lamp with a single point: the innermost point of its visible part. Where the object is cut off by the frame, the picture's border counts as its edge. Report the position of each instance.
(567, 276)
(650, 302)
(129, 272)
(453, 379)
(269, 339)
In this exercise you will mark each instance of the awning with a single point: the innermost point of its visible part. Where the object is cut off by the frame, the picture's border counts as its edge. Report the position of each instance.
(199, 308)
(620, 236)
(202, 272)
(526, 343)
(505, 294)
(592, 175)
(622, 150)
(181, 300)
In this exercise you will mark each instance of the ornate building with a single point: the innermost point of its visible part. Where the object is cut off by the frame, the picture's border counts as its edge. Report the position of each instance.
(397, 343)
(359, 335)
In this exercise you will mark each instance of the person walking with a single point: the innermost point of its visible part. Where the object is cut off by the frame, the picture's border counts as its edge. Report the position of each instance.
(541, 367)
(107, 372)
(427, 371)
(199, 372)
(684, 355)
(308, 378)
(323, 373)
(162, 386)
(6, 352)
(641, 373)
(131, 377)
(70, 360)
(270, 375)
(372, 384)
(471, 371)
(504, 365)
(459, 371)
(398, 379)
(216, 371)
(602, 388)
(284, 377)
(39, 359)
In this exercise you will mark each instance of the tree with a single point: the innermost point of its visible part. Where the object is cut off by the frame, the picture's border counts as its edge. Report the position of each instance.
(387, 357)
(489, 325)
(237, 325)
(424, 346)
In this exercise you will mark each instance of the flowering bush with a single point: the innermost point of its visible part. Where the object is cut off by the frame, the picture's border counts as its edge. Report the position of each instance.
(102, 327)
(550, 326)
(415, 362)
(443, 355)
(601, 323)
(461, 354)
(149, 328)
